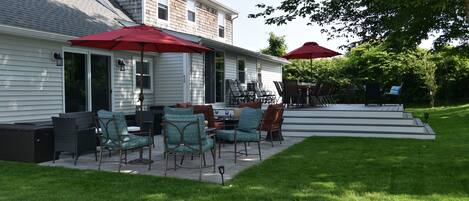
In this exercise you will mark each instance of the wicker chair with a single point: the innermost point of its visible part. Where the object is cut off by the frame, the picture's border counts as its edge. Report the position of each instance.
(70, 137)
(185, 134)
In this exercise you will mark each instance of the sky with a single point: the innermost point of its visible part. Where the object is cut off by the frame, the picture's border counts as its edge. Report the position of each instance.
(252, 34)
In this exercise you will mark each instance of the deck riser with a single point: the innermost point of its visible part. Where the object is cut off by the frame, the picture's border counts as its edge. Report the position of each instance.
(332, 128)
(369, 135)
(350, 121)
(347, 114)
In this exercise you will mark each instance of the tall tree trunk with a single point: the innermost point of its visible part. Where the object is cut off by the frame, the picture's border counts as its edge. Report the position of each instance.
(466, 3)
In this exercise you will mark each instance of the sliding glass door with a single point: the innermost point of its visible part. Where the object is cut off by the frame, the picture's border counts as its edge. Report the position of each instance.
(87, 81)
(75, 82)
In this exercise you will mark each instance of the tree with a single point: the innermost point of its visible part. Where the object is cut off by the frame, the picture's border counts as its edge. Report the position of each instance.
(277, 46)
(400, 24)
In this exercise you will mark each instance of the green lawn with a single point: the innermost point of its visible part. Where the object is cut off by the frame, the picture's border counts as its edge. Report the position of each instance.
(317, 169)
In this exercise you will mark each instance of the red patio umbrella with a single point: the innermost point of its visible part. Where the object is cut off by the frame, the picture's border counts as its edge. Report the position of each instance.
(310, 50)
(139, 38)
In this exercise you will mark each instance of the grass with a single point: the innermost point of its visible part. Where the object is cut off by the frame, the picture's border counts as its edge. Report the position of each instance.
(317, 169)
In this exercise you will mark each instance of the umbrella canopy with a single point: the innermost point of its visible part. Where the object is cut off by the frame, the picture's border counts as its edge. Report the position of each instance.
(133, 38)
(139, 38)
(310, 50)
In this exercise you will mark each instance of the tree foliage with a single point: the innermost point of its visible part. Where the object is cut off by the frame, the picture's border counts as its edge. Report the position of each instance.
(400, 24)
(277, 46)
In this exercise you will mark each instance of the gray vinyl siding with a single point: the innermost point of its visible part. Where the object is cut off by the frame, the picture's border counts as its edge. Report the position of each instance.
(31, 86)
(251, 73)
(198, 79)
(270, 72)
(125, 93)
(133, 8)
(169, 79)
(231, 66)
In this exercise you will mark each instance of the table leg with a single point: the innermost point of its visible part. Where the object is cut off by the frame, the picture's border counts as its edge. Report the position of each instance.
(141, 160)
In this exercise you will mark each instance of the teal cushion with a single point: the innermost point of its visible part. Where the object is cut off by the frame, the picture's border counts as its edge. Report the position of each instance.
(395, 90)
(112, 124)
(177, 125)
(135, 141)
(249, 119)
(241, 136)
(207, 144)
(179, 111)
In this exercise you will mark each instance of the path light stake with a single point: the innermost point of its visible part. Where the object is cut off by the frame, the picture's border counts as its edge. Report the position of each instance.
(426, 116)
(221, 170)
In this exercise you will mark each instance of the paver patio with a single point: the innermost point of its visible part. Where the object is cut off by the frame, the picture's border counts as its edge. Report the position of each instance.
(227, 159)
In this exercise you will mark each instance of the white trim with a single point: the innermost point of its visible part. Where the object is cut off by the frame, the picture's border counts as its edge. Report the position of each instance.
(31, 33)
(187, 75)
(144, 2)
(187, 12)
(134, 74)
(158, 19)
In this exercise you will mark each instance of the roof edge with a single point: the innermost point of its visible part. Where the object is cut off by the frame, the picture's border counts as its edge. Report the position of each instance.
(223, 7)
(32, 33)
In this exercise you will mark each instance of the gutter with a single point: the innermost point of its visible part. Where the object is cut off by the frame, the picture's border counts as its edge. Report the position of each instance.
(31, 33)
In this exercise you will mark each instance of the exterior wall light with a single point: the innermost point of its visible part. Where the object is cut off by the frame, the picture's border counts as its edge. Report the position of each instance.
(121, 63)
(58, 58)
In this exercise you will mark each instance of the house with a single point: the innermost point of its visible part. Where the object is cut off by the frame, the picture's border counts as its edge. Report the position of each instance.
(41, 75)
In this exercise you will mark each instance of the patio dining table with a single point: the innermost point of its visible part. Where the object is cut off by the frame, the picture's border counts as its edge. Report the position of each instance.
(307, 86)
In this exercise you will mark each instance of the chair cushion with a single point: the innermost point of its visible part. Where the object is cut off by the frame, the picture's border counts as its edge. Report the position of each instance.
(249, 119)
(207, 144)
(395, 90)
(175, 124)
(241, 136)
(179, 111)
(129, 141)
(112, 124)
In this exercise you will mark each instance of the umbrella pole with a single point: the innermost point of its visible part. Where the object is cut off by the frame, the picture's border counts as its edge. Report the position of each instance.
(311, 68)
(141, 97)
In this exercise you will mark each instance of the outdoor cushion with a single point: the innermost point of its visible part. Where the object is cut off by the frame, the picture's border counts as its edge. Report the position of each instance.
(395, 90)
(207, 144)
(179, 111)
(249, 119)
(175, 124)
(109, 128)
(241, 136)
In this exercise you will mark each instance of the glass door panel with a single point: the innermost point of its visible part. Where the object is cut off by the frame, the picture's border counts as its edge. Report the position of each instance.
(100, 82)
(75, 82)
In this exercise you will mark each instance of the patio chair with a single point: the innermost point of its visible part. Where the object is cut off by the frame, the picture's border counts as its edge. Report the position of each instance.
(373, 94)
(74, 133)
(279, 87)
(292, 94)
(207, 110)
(263, 95)
(395, 92)
(272, 123)
(185, 134)
(179, 111)
(115, 137)
(237, 96)
(247, 130)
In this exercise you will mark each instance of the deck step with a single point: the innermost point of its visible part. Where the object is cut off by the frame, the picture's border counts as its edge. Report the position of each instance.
(344, 114)
(350, 121)
(362, 134)
(354, 128)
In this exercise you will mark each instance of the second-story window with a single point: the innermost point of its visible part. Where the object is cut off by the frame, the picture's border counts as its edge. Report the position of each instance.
(163, 6)
(191, 10)
(221, 24)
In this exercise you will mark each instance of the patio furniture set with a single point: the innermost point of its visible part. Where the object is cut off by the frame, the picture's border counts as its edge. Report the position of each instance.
(252, 91)
(301, 94)
(187, 130)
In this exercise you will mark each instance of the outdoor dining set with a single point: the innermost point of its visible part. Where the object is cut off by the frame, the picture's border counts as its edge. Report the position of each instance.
(188, 131)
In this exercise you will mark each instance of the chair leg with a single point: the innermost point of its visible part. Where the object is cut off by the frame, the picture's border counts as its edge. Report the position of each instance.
(259, 146)
(95, 155)
(245, 149)
(271, 138)
(203, 156)
(166, 163)
(200, 166)
(76, 159)
(120, 160)
(175, 165)
(149, 157)
(54, 155)
(214, 156)
(235, 150)
(100, 158)
(182, 158)
(219, 149)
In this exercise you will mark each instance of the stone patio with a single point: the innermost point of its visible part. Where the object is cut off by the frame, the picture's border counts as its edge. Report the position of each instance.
(227, 159)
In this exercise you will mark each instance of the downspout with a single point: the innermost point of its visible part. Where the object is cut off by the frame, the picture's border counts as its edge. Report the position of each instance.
(143, 11)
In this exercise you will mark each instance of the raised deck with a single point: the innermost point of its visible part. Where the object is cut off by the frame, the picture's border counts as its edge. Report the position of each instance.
(355, 120)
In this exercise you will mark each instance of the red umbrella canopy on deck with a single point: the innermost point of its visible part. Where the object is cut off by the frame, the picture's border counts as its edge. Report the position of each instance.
(310, 50)
(133, 38)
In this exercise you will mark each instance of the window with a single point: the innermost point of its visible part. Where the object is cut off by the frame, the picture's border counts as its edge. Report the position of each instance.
(163, 9)
(259, 72)
(191, 10)
(144, 70)
(219, 77)
(241, 70)
(221, 24)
